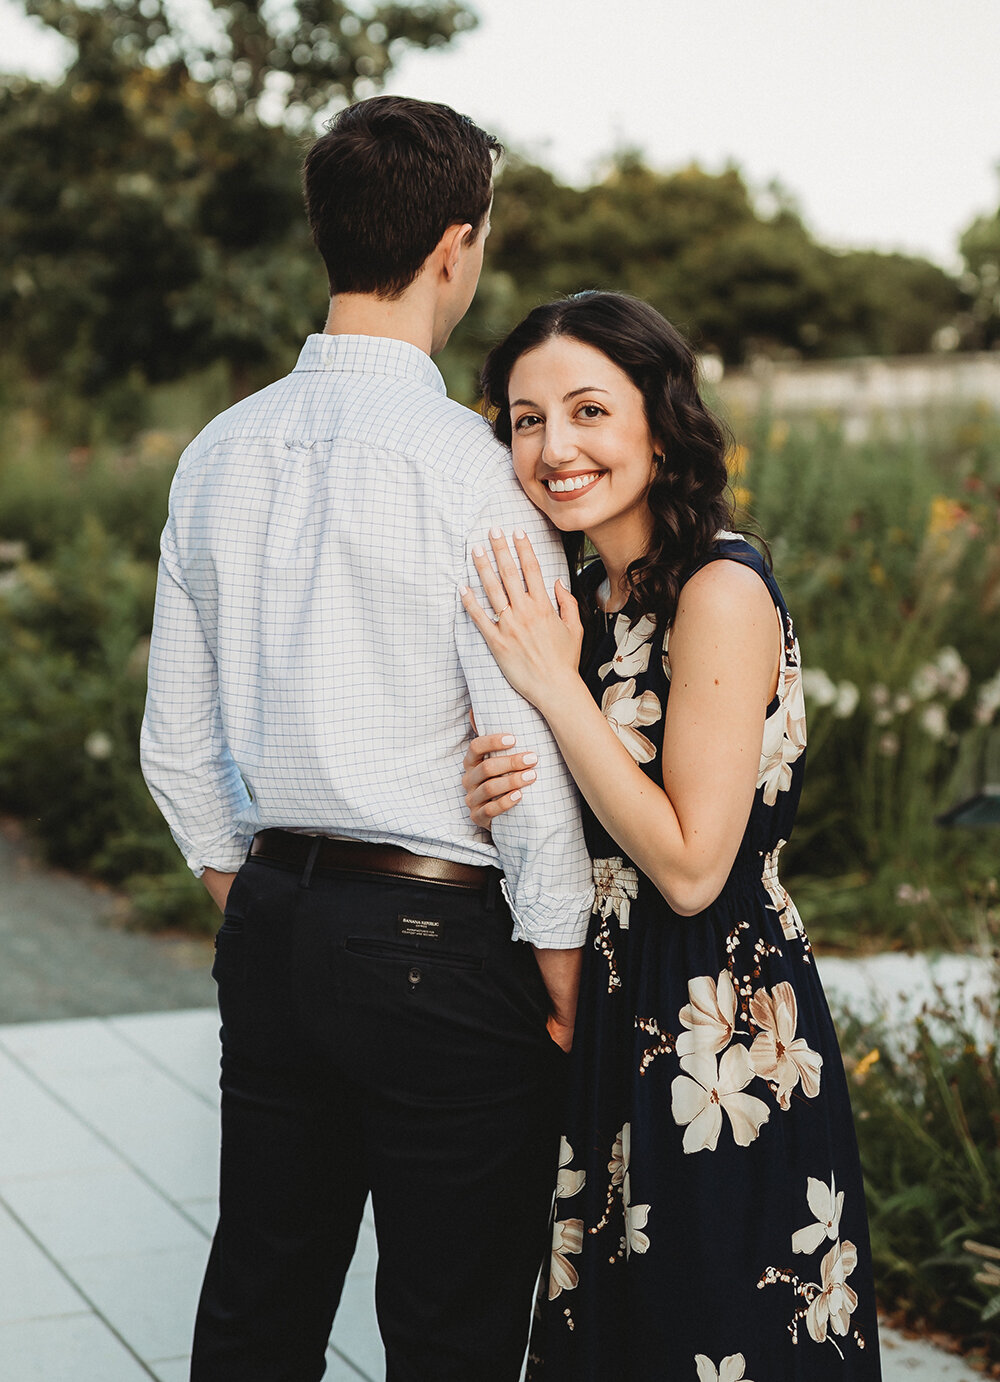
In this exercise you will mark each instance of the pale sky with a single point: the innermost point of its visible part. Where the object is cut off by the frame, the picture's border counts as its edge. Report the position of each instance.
(881, 117)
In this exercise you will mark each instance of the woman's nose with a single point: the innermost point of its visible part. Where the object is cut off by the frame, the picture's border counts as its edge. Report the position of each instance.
(558, 446)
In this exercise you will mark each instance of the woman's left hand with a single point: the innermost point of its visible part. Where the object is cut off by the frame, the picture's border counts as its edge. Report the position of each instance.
(536, 645)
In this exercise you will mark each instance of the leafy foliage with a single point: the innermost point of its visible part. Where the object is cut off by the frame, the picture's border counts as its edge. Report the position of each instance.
(152, 218)
(927, 1111)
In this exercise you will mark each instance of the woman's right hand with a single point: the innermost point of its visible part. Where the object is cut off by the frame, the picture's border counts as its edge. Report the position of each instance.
(494, 776)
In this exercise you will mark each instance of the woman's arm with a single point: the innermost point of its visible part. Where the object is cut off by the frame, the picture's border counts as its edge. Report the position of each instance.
(724, 652)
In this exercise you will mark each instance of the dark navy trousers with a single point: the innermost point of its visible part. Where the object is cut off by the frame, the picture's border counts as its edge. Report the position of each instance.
(385, 1037)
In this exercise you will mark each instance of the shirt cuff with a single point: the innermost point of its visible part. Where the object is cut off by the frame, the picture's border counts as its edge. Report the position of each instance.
(225, 858)
(551, 922)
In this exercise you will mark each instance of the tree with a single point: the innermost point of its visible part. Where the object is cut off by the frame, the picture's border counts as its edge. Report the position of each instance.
(980, 248)
(151, 216)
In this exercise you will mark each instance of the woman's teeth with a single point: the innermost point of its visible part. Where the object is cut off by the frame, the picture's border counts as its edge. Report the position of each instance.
(575, 482)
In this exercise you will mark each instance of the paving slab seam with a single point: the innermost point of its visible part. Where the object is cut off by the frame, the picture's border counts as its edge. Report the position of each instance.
(102, 1137)
(350, 1363)
(92, 1307)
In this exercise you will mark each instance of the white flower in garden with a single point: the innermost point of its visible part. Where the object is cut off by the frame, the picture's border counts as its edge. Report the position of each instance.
(953, 675)
(567, 1237)
(888, 744)
(569, 1182)
(880, 694)
(903, 704)
(818, 686)
(616, 884)
(925, 682)
(934, 720)
(731, 1369)
(710, 1016)
(847, 699)
(836, 1302)
(709, 1086)
(883, 716)
(98, 745)
(988, 701)
(632, 647)
(827, 1203)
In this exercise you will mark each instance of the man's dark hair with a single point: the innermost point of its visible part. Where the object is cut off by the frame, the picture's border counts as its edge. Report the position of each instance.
(386, 181)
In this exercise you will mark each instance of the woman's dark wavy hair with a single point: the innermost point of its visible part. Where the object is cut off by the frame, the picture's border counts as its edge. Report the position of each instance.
(688, 495)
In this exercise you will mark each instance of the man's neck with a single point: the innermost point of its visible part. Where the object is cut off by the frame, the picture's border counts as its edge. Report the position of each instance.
(402, 319)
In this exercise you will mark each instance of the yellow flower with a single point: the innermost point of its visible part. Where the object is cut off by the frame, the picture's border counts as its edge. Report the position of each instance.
(945, 515)
(866, 1062)
(778, 435)
(742, 497)
(877, 573)
(737, 459)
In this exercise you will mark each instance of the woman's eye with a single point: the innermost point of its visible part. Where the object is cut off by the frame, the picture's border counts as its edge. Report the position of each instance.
(526, 421)
(591, 410)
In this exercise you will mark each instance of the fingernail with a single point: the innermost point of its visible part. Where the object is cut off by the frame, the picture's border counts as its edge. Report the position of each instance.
(527, 777)
(508, 741)
(463, 590)
(496, 533)
(519, 533)
(515, 796)
(479, 550)
(529, 758)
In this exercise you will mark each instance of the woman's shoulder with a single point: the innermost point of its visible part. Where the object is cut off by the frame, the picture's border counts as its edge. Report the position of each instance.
(731, 550)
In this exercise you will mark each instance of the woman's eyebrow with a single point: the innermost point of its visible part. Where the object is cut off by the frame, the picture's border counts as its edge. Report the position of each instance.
(529, 403)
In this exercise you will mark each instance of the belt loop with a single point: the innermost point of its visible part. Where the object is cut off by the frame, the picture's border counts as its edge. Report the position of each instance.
(307, 872)
(492, 887)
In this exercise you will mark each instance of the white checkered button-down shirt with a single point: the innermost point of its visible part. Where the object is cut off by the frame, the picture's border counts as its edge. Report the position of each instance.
(312, 667)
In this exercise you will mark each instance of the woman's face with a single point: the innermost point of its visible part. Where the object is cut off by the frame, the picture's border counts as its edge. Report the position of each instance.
(582, 448)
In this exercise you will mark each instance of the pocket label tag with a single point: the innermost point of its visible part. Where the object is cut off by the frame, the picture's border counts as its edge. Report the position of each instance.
(426, 928)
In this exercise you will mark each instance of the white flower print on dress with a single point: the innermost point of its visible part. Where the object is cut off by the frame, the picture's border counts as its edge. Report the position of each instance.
(615, 885)
(827, 1204)
(710, 1016)
(788, 914)
(624, 711)
(836, 1301)
(567, 1237)
(784, 735)
(618, 1163)
(636, 1215)
(632, 647)
(731, 1369)
(777, 1054)
(569, 1182)
(709, 1085)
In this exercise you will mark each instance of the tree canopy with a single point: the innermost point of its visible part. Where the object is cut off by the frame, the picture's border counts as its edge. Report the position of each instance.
(151, 213)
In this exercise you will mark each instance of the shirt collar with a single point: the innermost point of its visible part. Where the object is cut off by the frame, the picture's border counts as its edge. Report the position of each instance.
(369, 355)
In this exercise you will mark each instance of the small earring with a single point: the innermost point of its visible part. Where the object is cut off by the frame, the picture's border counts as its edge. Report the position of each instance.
(657, 458)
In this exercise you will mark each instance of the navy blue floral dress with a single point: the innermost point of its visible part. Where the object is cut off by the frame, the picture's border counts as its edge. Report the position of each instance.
(709, 1221)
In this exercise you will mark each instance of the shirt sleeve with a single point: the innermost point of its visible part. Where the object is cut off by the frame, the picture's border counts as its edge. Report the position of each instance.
(547, 869)
(185, 760)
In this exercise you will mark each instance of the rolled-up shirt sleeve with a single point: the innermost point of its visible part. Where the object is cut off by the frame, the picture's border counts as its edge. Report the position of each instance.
(547, 869)
(185, 760)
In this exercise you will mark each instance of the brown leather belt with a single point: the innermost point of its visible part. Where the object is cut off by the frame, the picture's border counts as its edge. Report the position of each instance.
(376, 861)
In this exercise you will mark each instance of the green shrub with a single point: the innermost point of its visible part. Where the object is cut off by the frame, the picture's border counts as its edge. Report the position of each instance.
(888, 552)
(927, 1108)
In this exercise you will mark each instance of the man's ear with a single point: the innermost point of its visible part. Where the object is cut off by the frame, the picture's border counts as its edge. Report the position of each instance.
(451, 245)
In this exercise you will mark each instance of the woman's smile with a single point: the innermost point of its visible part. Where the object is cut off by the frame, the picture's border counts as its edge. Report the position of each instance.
(569, 485)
